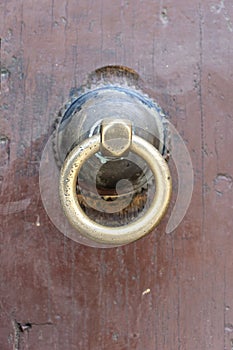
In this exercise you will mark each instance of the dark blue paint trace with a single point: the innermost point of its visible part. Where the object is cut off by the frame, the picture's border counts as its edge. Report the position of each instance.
(76, 106)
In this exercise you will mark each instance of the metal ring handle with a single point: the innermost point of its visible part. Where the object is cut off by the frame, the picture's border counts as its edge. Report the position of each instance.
(122, 234)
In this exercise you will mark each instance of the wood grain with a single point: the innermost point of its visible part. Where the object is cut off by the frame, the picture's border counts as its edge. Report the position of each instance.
(165, 291)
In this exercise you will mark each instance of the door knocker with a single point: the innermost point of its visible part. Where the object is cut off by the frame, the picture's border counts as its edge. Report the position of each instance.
(110, 145)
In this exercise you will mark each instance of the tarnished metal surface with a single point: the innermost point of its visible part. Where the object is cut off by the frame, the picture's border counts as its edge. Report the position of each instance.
(114, 236)
(111, 92)
(116, 137)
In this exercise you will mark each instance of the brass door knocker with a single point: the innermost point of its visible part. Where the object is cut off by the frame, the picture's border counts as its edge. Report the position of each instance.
(115, 139)
(111, 145)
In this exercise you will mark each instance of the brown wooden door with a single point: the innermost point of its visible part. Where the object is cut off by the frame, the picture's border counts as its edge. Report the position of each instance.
(162, 292)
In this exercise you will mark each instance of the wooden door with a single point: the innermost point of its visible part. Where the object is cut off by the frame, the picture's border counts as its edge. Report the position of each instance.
(164, 291)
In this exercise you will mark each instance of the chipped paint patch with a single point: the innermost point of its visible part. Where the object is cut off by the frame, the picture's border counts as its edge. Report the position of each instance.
(147, 291)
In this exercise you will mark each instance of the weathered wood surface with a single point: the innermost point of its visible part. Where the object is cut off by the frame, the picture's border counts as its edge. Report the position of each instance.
(75, 297)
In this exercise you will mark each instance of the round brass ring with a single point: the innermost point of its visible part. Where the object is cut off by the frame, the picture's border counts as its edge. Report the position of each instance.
(122, 234)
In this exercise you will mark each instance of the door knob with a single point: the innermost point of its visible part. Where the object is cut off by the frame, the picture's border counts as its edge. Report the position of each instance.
(109, 144)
